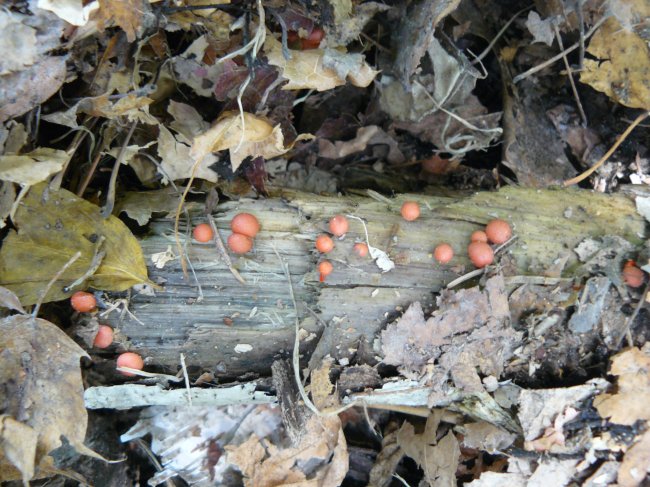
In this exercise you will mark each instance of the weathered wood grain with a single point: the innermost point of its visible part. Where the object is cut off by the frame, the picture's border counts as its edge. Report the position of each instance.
(356, 299)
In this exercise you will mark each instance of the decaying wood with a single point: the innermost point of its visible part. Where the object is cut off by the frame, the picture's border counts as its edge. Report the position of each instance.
(238, 329)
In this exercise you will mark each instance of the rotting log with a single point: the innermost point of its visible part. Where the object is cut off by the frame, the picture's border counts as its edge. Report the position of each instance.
(234, 330)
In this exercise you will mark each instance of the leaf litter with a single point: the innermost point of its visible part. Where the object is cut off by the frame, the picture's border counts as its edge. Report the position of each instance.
(459, 353)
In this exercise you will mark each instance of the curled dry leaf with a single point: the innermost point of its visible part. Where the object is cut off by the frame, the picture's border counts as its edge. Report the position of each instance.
(321, 453)
(127, 14)
(43, 390)
(32, 168)
(260, 139)
(72, 11)
(629, 403)
(319, 69)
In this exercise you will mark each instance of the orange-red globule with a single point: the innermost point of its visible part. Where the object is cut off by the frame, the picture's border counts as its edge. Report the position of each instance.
(360, 249)
(104, 337)
(339, 225)
(240, 244)
(478, 236)
(130, 360)
(325, 268)
(83, 302)
(498, 231)
(443, 253)
(410, 211)
(480, 253)
(633, 276)
(246, 224)
(203, 233)
(324, 243)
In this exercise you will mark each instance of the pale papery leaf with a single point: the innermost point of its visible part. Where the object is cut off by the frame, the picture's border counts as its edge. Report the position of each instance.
(318, 69)
(260, 139)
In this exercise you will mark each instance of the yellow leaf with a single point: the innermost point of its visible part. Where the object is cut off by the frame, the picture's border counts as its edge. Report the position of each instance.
(622, 67)
(52, 227)
(33, 167)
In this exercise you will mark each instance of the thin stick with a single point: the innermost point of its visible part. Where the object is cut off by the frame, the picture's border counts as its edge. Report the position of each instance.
(110, 197)
(557, 57)
(56, 181)
(630, 319)
(222, 250)
(52, 281)
(608, 154)
(187, 379)
(478, 272)
(570, 74)
(487, 50)
(296, 353)
(181, 202)
(94, 265)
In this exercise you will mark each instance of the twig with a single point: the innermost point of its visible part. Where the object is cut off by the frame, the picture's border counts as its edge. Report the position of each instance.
(89, 174)
(625, 332)
(154, 460)
(56, 181)
(401, 479)
(151, 375)
(52, 281)
(181, 202)
(296, 352)
(222, 250)
(557, 57)
(608, 154)
(581, 41)
(374, 42)
(487, 50)
(570, 75)
(478, 272)
(110, 197)
(187, 379)
(24, 188)
(98, 257)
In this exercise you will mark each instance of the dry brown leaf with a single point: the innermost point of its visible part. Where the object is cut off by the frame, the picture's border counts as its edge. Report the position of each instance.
(22, 91)
(10, 301)
(636, 463)
(486, 436)
(322, 449)
(103, 106)
(322, 390)
(176, 161)
(318, 69)
(369, 135)
(141, 205)
(126, 14)
(41, 377)
(19, 442)
(629, 403)
(260, 139)
(469, 330)
(621, 69)
(438, 459)
(17, 43)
